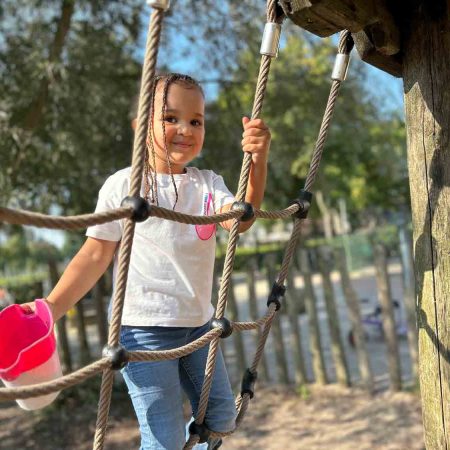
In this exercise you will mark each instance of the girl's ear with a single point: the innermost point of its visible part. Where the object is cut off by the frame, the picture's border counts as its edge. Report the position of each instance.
(134, 124)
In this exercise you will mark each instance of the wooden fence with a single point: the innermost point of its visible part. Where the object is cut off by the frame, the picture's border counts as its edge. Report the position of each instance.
(327, 331)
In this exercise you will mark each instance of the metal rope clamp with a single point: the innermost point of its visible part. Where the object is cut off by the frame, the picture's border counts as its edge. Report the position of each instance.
(271, 39)
(340, 67)
(159, 4)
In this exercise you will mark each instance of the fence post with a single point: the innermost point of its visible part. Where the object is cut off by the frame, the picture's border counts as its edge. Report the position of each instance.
(61, 324)
(409, 297)
(102, 326)
(280, 353)
(337, 346)
(318, 360)
(85, 354)
(263, 372)
(233, 316)
(293, 298)
(387, 312)
(354, 313)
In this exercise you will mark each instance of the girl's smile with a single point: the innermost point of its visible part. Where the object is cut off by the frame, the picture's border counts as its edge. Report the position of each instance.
(179, 127)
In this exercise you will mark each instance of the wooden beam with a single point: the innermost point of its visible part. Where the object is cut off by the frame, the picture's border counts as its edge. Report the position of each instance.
(369, 53)
(376, 34)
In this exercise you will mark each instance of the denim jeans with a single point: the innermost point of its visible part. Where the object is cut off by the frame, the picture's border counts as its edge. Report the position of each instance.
(155, 387)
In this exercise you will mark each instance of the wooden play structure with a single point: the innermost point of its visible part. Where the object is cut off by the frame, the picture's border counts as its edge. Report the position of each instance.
(411, 40)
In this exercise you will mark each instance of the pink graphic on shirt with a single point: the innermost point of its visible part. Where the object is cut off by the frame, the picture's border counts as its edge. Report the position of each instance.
(204, 232)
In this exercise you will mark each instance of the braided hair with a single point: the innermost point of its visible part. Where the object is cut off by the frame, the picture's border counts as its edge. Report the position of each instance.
(150, 177)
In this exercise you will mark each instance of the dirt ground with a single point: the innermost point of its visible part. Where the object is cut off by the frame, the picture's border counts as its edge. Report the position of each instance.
(278, 419)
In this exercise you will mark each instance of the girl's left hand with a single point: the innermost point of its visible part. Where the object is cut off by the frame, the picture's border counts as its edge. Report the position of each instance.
(256, 139)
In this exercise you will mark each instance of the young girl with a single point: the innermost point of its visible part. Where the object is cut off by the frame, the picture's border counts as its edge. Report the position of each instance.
(168, 294)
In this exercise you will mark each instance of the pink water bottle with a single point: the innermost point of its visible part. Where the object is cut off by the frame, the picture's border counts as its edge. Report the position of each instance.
(28, 353)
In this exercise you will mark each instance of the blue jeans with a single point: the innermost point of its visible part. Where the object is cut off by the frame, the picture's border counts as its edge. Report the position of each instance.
(155, 387)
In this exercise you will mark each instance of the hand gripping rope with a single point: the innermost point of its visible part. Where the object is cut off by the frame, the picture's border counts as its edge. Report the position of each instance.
(135, 209)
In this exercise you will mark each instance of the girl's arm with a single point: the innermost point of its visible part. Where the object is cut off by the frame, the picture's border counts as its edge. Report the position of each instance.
(256, 140)
(86, 267)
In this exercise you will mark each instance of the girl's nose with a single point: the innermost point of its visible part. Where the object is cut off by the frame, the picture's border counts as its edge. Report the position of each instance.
(184, 130)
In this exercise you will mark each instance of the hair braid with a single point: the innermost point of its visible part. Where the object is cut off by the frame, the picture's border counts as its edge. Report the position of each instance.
(151, 187)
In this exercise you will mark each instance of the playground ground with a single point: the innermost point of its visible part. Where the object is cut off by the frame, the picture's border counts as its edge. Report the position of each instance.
(278, 419)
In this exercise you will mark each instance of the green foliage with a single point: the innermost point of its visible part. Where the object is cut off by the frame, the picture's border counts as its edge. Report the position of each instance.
(81, 134)
(364, 158)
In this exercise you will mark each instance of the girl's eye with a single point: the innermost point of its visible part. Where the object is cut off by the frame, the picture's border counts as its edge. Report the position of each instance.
(196, 123)
(170, 119)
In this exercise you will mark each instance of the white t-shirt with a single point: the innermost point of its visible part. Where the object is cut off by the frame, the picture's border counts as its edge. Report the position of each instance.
(171, 267)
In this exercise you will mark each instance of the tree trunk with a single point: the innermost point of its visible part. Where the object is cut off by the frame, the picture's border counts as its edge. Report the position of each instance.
(427, 99)
(36, 109)
(326, 215)
(388, 319)
(354, 313)
(337, 345)
(318, 360)
(61, 327)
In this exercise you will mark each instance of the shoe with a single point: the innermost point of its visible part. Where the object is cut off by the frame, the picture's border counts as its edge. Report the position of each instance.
(214, 443)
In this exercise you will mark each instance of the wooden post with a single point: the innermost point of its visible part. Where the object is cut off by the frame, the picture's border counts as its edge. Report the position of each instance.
(293, 298)
(337, 345)
(280, 352)
(233, 315)
(387, 315)
(354, 314)
(61, 326)
(263, 372)
(409, 297)
(318, 360)
(426, 75)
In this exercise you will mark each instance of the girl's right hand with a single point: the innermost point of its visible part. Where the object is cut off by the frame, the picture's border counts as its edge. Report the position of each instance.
(30, 307)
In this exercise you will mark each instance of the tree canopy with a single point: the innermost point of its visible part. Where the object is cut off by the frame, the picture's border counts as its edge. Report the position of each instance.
(70, 68)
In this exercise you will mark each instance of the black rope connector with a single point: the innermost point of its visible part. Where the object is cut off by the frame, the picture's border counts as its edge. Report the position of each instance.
(248, 383)
(276, 295)
(304, 202)
(200, 430)
(119, 356)
(141, 208)
(246, 208)
(224, 324)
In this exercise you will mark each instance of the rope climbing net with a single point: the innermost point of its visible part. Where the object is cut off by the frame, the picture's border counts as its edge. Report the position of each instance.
(135, 209)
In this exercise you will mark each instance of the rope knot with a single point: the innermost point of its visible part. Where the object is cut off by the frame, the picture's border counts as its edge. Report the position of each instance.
(118, 355)
(246, 208)
(304, 202)
(276, 295)
(141, 208)
(248, 383)
(224, 324)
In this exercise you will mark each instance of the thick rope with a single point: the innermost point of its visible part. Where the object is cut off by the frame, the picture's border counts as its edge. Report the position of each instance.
(36, 390)
(139, 152)
(17, 217)
(345, 46)
(212, 337)
(234, 232)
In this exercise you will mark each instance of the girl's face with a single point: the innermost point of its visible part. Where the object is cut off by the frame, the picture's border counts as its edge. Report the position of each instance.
(184, 127)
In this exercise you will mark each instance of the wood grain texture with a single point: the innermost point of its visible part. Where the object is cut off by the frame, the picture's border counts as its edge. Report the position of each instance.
(427, 100)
